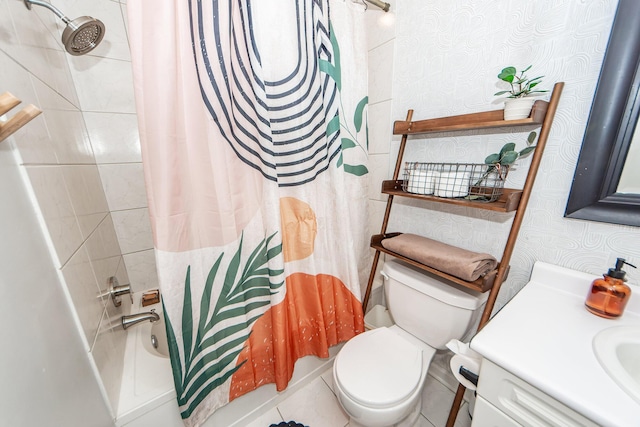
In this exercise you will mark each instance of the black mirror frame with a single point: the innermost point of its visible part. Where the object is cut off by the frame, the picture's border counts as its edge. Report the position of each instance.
(610, 128)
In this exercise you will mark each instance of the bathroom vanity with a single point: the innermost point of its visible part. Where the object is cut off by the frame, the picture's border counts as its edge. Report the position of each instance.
(547, 361)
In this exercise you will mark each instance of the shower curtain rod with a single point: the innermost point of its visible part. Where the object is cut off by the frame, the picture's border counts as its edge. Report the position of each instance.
(382, 5)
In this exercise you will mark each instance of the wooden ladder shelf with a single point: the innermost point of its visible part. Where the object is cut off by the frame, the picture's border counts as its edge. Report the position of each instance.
(511, 200)
(21, 118)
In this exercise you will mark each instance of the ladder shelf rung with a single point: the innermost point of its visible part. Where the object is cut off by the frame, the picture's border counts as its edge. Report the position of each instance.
(508, 201)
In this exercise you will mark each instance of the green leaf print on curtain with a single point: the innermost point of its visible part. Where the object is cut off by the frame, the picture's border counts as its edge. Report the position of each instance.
(209, 358)
(334, 70)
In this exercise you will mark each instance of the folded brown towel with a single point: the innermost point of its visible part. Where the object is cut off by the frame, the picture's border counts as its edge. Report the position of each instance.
(466, 265)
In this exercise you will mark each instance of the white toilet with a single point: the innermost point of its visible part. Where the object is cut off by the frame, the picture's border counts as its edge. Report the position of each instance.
(378, 375)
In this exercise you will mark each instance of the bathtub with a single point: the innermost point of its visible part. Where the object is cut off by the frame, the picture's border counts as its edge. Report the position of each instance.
(147, 381)
(147, 396)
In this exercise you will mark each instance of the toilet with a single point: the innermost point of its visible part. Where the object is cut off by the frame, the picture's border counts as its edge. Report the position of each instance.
(379, 375)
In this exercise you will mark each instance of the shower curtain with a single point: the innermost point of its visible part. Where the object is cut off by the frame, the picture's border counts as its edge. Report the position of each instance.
(252, 120)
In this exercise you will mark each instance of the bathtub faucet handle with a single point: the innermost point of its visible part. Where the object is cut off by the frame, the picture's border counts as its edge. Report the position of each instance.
(116, 291)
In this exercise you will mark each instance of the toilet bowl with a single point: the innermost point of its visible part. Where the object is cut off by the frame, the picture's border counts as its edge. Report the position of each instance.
(394, 365)
(379, 375)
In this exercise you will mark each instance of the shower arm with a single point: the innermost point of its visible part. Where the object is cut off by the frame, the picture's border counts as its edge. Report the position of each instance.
(382, 5)
(51, 7)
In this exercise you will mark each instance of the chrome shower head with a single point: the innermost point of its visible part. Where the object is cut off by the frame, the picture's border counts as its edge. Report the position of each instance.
(81, 35)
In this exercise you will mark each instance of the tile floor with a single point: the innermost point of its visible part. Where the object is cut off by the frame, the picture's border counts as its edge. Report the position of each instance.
(315, 405)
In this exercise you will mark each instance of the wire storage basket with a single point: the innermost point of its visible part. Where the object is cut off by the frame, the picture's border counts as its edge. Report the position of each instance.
(473, 181)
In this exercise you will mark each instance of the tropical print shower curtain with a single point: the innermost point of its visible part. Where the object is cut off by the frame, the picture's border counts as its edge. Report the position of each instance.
(253, 126)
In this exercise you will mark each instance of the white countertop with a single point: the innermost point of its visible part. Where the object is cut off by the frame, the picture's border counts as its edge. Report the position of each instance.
(544, 336)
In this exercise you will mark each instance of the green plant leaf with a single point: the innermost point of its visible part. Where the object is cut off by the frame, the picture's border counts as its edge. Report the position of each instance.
(507, 74)
(336, 54)
(358, 170)
(187, 317)
(358, 115)
(531, 138)
(333, 125)
(502, 92)
(527, 150)
(347, 143)
(367, 134)
(327, 67)
(527, 69)
(509, 146)
(174, 352)
(340, 160)
(205, 303)
(508, 158)
(333, 70)
(492, 158)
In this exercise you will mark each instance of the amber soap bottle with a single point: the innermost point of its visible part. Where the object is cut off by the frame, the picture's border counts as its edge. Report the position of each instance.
(609, 295)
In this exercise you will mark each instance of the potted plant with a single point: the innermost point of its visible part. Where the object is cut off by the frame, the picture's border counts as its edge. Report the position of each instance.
(519, 102)
(490, 184)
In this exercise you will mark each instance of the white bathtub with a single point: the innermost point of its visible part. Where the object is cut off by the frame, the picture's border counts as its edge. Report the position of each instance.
(147, 396)
(147, 381)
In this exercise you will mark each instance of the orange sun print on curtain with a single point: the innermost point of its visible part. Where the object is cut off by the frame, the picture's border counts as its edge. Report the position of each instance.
(306, 322)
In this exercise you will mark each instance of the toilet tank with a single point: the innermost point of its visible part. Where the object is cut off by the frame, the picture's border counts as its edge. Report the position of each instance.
(428, 308)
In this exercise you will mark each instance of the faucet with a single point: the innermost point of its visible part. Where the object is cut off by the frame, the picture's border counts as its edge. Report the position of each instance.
(134, 319)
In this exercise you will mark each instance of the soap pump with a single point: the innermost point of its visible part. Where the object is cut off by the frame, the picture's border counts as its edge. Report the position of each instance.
(610, 295)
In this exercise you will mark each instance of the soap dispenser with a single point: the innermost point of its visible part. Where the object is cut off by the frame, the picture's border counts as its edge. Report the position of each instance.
(609, 295)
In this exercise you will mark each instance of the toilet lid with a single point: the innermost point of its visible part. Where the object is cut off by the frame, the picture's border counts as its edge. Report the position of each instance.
(378, 368)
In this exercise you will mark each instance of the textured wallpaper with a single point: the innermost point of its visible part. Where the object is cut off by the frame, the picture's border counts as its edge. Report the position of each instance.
(446, 56)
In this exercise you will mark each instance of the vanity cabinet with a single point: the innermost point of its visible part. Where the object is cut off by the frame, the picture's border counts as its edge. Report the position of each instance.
(504, 400)
(540, 364)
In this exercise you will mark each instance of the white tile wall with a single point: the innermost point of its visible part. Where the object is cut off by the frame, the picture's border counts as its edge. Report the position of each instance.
(69, 137)
(89, 204)
(378, 172)
(381, 72)
(133, 229)
(83, 288)
(380, 126)
(108, 351)
(104, 252)
(141, 269)
(380, 28)
(380, 25)
(103, 84)
(124, 185)
(56, 208)
(114, 137)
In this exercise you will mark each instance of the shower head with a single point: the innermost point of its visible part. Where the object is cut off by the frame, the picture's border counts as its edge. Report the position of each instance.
(81, 35)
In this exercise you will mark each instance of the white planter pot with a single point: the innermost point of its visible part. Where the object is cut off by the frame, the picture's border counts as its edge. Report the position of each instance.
(517, 108)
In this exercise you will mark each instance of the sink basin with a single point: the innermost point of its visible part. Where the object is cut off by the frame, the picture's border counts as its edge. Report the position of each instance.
(618, 351)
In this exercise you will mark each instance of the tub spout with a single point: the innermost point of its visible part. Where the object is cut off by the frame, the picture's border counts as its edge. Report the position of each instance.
(134, 319)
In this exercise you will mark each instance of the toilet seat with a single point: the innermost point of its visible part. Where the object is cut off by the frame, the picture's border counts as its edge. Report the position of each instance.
(390, 365)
